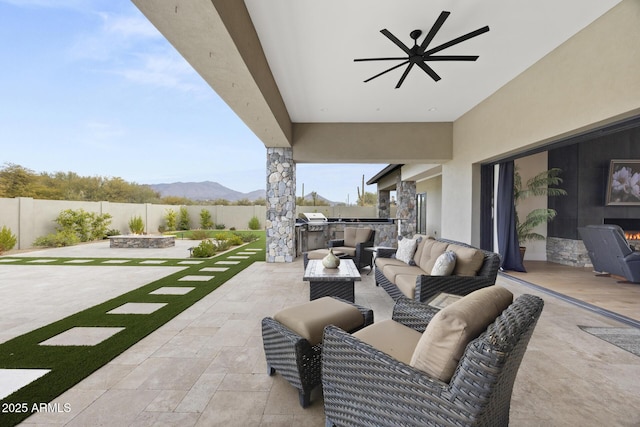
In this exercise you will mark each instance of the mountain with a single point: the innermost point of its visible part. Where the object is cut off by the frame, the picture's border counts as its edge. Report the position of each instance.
(206, 190)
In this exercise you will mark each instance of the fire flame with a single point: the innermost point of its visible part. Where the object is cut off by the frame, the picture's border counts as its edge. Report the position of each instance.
(632, 235)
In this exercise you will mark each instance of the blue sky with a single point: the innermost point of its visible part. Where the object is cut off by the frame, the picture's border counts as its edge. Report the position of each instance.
(90, 86)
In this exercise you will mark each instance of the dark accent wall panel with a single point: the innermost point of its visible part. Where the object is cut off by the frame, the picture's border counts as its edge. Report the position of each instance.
(585, 169)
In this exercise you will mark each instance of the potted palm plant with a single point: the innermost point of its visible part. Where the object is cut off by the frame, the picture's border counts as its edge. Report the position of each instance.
(540, 185)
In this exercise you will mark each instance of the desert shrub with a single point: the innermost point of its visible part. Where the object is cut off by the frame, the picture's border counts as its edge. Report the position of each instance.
(205, 249)
(183, 220)
(162, 228)
(223, 245)
(205, 219)
(219, 226)
(136, 225)
(7, 239)
(171, 217)
(199, 235)
(86, 226)
(249, 237)
(254, 223)
(232, 228)
(235, 240)
(99, 224)
(112, 232)
(55, 240)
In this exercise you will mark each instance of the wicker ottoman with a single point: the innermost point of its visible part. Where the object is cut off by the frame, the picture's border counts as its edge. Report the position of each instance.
(292, 339)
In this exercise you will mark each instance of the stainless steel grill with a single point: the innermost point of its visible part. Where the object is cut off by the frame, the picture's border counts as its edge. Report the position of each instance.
(311, 232)
(315, 221)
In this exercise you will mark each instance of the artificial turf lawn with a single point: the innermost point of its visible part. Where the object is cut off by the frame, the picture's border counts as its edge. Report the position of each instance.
(70, 364)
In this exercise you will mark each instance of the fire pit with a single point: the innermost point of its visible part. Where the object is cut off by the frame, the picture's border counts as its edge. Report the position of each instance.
(141, 241)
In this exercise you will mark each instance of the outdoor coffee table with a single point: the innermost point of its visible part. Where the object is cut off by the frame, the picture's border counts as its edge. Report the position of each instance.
(333, 282)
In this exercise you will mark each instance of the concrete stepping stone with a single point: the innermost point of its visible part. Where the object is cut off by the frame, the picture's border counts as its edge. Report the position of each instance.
(82, 335)
(246, 253)
(42, 261)
(138, 308)
(7, 260)
(172, 290)
(214, 269)
(253, 249)
(12, 380)
(191, 262)
(78, 261)
(228, 262)
(237, 257)
(153, 261)
(194, 278)
(116, 261)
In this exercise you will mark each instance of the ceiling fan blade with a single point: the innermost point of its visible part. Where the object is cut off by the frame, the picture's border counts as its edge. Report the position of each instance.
(451, 58)
(458, 40)
(404, 75)
(434, 29)
(404, 58)
(429, 71)
(395, 40)
(386, 71)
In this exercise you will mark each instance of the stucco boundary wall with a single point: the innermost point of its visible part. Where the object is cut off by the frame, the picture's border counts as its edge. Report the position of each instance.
(30, 218)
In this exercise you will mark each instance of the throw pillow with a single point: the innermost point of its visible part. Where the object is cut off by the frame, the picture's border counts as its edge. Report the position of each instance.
(444, 264)
(443, 342)
(406, 249)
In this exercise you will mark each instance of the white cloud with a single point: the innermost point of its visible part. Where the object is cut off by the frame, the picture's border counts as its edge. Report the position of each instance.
(129, 26)
(129, 46)
(165, 69)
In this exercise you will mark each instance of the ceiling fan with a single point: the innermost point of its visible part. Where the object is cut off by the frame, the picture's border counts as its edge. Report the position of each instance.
(419, 54)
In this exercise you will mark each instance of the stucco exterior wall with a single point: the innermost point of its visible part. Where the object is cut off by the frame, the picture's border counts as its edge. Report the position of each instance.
(589, 81)
(29, 218)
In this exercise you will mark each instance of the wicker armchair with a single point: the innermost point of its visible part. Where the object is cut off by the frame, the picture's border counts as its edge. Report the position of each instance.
(364, 386)
(361, 258)
(294, 357)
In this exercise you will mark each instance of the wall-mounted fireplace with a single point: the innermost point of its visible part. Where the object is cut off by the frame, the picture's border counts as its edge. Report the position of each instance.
(631, 227)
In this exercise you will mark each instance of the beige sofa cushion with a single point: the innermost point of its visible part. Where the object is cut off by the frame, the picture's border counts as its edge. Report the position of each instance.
(443, 342)
(381, 263)
(355, 235)
(468, 260)
(407, 284)
(391, 271)
(430, 253)
(418, 254)
(392, 338)
(347, 250)
(309, 319)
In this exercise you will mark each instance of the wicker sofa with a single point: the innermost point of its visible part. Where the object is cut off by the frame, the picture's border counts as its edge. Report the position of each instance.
(364, 386)
(474, 269)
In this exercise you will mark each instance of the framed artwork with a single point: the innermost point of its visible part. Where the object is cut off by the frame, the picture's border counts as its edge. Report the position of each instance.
(623, 186)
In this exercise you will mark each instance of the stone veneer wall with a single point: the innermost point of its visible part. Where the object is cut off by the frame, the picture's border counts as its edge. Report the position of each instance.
(281, 205)
(384, 205)
(568, 252)
(155, 242)
(406, 214)
(386, 233)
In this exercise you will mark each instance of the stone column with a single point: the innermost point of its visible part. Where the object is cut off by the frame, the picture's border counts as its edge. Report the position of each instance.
(281, 205)
(406, 214)
(384, 207)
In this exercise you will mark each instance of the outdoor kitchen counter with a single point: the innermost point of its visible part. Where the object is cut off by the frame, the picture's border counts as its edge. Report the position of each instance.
(386, 233)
